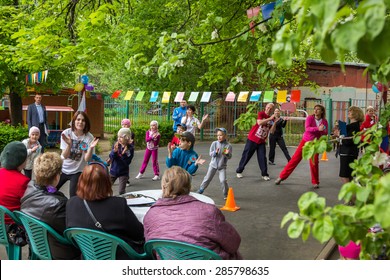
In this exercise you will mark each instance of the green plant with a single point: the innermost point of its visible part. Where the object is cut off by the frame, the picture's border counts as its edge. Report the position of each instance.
(165, 129)
(10, 133)
(246, 120)
(371, 191)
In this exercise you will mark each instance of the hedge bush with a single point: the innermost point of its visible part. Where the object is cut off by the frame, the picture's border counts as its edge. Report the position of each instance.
(139, 131)
(9, 133)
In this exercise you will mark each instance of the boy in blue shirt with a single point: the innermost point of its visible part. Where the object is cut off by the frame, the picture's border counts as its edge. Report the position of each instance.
(184, 155)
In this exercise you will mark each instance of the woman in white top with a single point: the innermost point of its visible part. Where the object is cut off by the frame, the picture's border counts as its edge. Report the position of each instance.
(77, 145)
(191, 122)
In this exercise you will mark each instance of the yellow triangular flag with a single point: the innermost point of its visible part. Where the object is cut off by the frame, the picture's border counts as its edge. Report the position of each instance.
(129, 94)
(243, 96)
(166, 96)
(281, 96)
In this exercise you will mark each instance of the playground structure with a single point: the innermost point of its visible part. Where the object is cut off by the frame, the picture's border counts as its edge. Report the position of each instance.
(60, 109)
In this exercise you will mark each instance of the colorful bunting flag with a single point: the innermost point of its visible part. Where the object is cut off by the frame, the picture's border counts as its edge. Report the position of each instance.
(206, 96)
(154, 96)
(166, 96)
(296, 95)
(129, 94)
(281, 96)
(116, 93)
(140, 96)
(268, 96)
(243, 96)
(255, 96)
(179, 96)
(37, 78)
(230, 97)
(193, 96)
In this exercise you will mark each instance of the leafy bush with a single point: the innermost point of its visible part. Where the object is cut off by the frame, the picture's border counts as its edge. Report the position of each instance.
(371, 192)
(9, 133)
(165, 129)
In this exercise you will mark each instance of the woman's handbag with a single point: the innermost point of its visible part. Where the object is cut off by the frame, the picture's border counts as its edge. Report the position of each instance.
(17, 235)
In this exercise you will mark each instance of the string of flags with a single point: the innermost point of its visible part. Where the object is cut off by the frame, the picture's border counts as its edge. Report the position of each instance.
(37, 78)
(268, 96)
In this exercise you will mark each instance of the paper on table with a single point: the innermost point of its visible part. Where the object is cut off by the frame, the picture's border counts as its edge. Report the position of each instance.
(140, 201)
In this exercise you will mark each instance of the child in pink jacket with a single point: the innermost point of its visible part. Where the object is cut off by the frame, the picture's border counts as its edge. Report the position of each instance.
(152, 139)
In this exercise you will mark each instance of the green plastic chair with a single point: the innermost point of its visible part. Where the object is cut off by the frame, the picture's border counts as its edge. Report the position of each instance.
(177, 250)
(98, 245)
(37, 232)
(14, 252)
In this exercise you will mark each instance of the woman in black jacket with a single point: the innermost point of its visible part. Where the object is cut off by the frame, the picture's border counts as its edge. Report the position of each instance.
(348, 150)
(94, 187)
(276, 136)
(44, 202)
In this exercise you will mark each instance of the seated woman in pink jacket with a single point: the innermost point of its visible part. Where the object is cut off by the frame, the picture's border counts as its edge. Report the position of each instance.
(315, 126)
(181, 217)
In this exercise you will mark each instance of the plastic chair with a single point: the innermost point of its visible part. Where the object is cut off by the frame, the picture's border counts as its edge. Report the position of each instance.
(14, 252)
(177, 250)
(98, 245)
(37, 232)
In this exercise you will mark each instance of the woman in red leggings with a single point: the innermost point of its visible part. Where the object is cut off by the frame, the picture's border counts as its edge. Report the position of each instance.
(315, 126)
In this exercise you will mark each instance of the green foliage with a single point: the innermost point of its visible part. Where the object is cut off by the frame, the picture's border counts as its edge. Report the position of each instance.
(334, 30)
(10, 133)
(165, 129)
(370, 190)
(246, 120)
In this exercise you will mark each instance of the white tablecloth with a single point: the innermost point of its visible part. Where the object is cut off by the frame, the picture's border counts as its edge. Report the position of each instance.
(140, 211)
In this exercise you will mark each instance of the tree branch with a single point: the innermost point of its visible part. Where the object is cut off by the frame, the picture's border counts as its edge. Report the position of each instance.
(188, 17)
(228, 39)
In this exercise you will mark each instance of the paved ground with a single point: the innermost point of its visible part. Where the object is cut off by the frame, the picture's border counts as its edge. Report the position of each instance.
(263, 204)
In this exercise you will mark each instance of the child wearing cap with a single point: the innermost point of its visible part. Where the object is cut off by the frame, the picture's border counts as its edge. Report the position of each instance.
(184, 155)
(152, 139)
(125, 123)
(220, 152)
(121, 156)
(34, 149)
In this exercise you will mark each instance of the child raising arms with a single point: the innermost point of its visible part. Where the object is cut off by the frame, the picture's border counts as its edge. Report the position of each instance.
(121, 155)
(220, 152)
(152, 139)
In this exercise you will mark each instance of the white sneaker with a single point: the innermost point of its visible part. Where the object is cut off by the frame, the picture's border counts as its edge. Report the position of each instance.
(139, 176)
(239, 175)
(156, 177)
(266, 178)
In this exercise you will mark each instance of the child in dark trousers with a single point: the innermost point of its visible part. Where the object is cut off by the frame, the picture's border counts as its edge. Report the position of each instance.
(121, 156)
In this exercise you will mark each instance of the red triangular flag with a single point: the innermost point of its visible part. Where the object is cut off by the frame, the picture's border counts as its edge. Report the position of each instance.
(116, 93)
(296, 95)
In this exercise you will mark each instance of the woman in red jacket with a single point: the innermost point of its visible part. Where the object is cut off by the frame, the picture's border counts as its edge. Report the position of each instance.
(315, 126)
(13, 182)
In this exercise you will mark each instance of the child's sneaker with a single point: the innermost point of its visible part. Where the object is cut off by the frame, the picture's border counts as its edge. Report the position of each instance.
(139, 176)
(156, 178)
(200, 191)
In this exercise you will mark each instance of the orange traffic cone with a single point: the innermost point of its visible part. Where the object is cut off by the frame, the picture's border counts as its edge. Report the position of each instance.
(324, 157)
(230, 204)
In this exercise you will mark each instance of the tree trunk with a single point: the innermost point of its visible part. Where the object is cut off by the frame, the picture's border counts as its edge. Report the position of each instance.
(15, 108)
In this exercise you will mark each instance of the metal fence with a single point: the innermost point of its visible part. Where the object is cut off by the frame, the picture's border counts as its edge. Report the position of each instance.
(222, 114)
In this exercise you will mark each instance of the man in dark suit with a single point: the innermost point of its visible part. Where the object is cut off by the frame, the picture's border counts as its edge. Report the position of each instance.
(37, 116)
